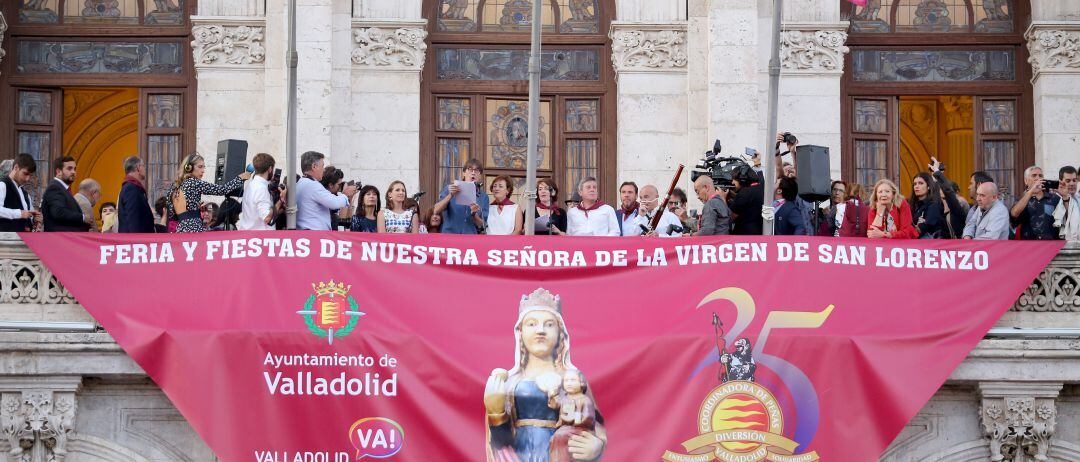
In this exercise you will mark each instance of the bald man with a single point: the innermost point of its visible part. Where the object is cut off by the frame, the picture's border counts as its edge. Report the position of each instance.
(990, 220)
(715, 215)
(88, 195)
(648, 203)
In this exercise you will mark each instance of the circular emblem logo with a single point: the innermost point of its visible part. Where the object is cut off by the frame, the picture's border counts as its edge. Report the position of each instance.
(741, 415)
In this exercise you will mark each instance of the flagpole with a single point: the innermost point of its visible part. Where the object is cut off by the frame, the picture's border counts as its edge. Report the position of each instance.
(290, 130)
(529, 196)
(768, 162)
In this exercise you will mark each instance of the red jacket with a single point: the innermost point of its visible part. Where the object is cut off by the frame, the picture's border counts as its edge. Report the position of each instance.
(901, 217)
(855, 219)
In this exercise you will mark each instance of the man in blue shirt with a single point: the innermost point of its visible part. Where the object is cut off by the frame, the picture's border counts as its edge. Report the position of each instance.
(459, 218)
(1034, 212)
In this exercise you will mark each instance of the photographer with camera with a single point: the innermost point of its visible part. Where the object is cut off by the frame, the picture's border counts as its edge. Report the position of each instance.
(258, 209)
(1034, 212)
(715, 215)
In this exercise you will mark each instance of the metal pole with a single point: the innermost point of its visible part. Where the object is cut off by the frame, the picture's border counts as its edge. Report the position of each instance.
(768, 162)
(290, 130)
(529, 196)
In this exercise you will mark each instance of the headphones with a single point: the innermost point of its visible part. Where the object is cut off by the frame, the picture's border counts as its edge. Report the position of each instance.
(189, 163)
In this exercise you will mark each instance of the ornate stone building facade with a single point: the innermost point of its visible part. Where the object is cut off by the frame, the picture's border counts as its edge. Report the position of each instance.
(391, 89)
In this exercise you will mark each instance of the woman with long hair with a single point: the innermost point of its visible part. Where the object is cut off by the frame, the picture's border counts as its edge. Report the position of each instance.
(855, 214)
(366, 220)
(926, 209)
(890, 215)
(504, 216)
(185, 195)
(550, 218)
(430, 222)
(396, 217)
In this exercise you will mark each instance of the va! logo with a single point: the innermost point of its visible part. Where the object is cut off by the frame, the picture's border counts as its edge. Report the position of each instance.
(376, 437)
(331, 312)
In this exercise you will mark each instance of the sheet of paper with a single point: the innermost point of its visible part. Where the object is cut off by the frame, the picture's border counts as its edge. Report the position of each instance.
(466, 194)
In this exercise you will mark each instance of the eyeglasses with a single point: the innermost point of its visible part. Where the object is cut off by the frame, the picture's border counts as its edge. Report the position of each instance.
(838, 190)
(473, 170)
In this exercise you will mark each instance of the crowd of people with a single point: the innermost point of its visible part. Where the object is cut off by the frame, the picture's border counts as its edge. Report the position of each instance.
(256, 200)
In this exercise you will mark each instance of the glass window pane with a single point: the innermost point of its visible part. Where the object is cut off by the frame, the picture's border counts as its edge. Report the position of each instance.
(163, 111)
(101, 11)
(582, 158)
(163, 158)
(870, 162)
(579, 17)
(452, 154)
(871, 116)
(582, 115)
(999, 116)
(933, 66)
(38, 12)
(993, 16)
(872, 18)
(925, 16)
(38, 145)
(35, 107)
(515, 16)
(165, 12)
(474, 64)
(41, 57)
(455, 114)
(507, 133)
(457, 16)
(999, 160)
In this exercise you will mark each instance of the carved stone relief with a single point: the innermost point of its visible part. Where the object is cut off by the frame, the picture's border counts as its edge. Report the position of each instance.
(1019, 419)
(813, 50)
(649, 49)
(36, 424)
(389, 48)
(228, 45)
(1054, 50)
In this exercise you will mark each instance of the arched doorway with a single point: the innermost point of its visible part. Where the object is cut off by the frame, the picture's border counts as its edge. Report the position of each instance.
(943, 78)
(475, 91)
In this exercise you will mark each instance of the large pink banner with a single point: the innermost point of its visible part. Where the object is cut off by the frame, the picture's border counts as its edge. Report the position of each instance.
(306, 346)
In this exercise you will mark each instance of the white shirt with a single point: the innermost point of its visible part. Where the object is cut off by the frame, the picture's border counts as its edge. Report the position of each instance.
(632, 226)
(840, 208)
(12, 214)
(502, 224)
(314, 203)
(256, 205)
(599, 222)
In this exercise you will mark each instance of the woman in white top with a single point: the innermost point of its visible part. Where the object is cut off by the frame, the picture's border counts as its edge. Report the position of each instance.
(395, 218)
(504, 217)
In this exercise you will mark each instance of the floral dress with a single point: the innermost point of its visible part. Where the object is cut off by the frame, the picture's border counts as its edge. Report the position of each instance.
(193, 189)
(398, 222)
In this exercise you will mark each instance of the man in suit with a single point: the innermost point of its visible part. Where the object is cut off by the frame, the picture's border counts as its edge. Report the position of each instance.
(789, 219)
(59, 208)
(17, 212)
(88, 195)
(134, 211)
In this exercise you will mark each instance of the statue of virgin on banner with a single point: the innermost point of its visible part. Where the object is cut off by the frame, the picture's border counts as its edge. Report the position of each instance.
(521, 422)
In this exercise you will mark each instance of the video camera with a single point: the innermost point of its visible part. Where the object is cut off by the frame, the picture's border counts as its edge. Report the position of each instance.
(723, 170)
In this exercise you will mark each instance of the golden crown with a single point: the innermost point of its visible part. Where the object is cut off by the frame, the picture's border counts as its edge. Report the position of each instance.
(540, 298)
(331, 289)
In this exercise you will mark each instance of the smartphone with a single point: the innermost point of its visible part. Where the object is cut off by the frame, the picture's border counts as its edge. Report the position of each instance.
(751, 152)
(277, 176)
(1051, 184)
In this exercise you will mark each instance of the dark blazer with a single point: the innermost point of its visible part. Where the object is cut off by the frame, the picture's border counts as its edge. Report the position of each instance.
(60, 211)
(134, 212)
(789, 220)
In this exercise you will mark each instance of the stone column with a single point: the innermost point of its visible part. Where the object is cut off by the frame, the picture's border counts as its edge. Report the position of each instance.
(1053, 39)
(650, 62)
(233, 102)
(37, 416)
(1019, 419)
(812, 64)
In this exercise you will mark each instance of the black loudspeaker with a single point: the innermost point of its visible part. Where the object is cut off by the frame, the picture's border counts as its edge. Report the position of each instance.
(812, 170)
(231, 157)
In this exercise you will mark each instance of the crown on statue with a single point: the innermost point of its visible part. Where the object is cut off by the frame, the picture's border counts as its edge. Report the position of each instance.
(331, 288)
(540, 299)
